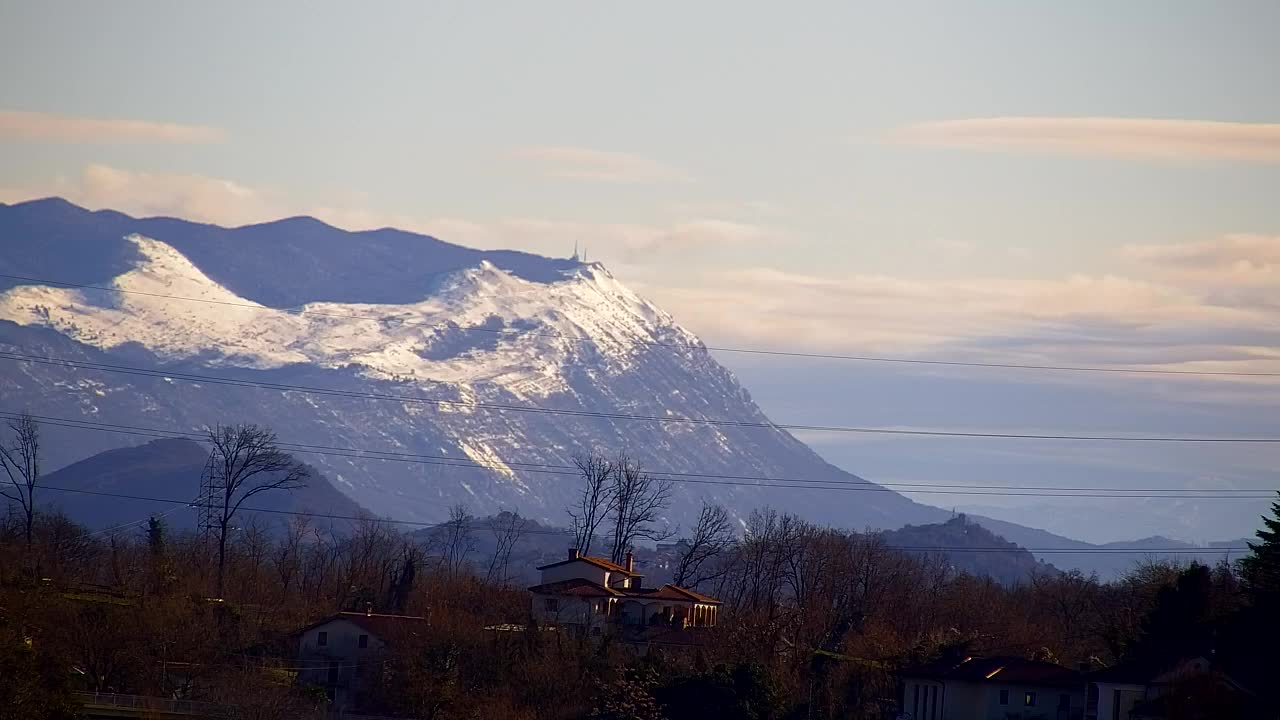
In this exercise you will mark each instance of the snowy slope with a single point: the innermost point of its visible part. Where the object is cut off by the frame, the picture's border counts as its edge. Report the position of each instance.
(478, 325)
(555, 334)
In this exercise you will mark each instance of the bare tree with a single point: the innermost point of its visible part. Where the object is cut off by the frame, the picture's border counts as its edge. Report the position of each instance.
(507, 528)
(288, 555)
(637, 500)
(402, 577)
(712, 538)
(21, 460)
(596, 500)
(456, 539)
(247, 462)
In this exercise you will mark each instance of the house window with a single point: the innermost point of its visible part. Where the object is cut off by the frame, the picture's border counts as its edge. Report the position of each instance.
(333, 673)
(322, 638)
(1029, 699)
(1115, 705)
(364, 641)
(915, 705)
(1064, 701)
(551, 605)
(933, 701)
(1004, 697)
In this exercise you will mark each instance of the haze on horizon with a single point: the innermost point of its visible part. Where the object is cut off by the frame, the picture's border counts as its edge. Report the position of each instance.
(1069, 184)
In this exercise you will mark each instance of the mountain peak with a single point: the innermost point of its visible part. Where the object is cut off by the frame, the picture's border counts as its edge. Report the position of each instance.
(49, 205)
(295, 223)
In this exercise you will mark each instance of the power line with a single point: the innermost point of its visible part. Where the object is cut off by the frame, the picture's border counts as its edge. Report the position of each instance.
(710, 479)
(655, 343)
(499, 407)
(572, 470)
(566, 533)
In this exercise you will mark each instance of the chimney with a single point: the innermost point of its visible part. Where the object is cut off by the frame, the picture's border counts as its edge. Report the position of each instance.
(574, 554)
(631, 562)
(1085, 665)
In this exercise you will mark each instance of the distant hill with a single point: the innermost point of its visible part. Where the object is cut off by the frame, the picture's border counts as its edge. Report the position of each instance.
(971, 548)
(167, 469)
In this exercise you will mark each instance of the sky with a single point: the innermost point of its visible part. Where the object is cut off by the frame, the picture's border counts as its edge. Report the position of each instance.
(1048, 183)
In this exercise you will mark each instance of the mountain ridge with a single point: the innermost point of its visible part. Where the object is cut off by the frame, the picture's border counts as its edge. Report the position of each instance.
(576, 340)
(168, 469)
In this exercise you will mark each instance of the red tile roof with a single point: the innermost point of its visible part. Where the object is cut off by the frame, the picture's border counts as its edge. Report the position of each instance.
(577, 587)
(668, 592)
(598, 562)
(581, 587)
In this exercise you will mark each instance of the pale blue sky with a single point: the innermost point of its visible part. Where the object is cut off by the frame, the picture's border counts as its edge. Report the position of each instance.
(420, 105)
(760, 169)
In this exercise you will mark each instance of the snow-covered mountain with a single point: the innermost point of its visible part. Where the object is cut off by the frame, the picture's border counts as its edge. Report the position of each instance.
(414, 340)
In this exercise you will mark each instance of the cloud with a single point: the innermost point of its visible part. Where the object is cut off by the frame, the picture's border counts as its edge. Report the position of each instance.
(1229, 251)
(1239, 270)
(226, 202)
(1202, 305)
(192, 197)
(1135, 138)
(1076, 319)
(573, 163)
(625, 242)
(36, 127)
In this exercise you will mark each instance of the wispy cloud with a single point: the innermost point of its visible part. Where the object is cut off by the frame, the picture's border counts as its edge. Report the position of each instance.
(1239, 270)
(626, 242)
(226, 202)
(1081, 319)
(37, 127)
(575, 163)
(1135, 138)
(1231, 251)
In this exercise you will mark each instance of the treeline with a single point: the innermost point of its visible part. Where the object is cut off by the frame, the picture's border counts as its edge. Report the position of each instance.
(814, 624)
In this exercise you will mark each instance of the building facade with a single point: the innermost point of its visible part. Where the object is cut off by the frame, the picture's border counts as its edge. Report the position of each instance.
(592, 593)
(336, 652)
(992, 688)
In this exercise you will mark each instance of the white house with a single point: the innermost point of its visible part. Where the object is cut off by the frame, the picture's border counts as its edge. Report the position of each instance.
(1132, 691)
(992, 688)
(591, 593)
(332, 652)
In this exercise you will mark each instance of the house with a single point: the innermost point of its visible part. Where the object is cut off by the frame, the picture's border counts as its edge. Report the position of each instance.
(1137, 691)
(592, 593)
(992, 688)
(332, 651)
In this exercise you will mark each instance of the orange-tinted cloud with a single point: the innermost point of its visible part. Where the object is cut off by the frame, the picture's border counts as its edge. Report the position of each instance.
(1134, 138)
(37, 127)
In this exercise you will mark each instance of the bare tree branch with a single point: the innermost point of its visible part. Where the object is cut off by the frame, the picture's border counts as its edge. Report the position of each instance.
(456, 539)
(507, 529)
(638, 499)
(21, 461)
(247, 462)
(595, 501)
(712, 538)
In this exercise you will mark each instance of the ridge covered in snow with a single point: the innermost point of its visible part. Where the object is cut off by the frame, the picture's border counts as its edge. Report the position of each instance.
(476, 325)
(379, 316)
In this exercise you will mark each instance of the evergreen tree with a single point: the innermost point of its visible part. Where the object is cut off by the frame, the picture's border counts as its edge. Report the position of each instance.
(155, 536)
(1181, 624)
(161, 567)
(1261, 570)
